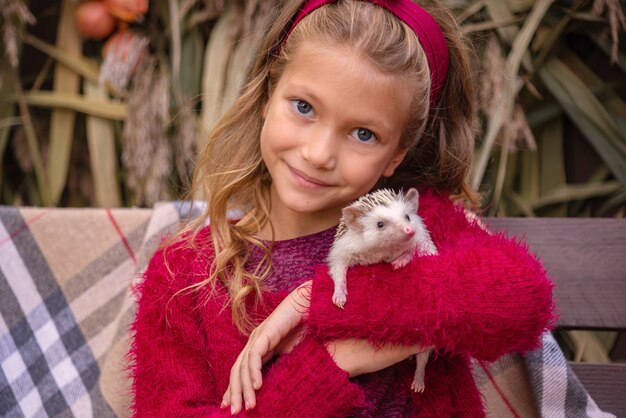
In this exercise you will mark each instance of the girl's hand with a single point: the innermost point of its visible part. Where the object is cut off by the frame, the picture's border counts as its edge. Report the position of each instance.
(277, 334)
(280, 332)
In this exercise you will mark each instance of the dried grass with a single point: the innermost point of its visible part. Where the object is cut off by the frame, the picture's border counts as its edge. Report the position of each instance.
(617, 21)
(13, 16)
(146, 152)
(492, 77)
(519, 130)
(186, 129)
(21, 151)
(158, 151)
(121, 61)
(492, 82)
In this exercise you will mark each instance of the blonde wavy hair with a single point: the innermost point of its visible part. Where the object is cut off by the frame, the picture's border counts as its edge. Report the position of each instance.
(230, 172)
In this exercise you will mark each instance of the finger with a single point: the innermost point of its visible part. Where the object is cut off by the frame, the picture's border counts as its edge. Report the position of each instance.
(261, 351)
(256, 364)
(249, 396)
(226, 398)
(235, 388)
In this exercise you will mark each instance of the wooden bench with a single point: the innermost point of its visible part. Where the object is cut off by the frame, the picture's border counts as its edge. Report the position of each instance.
(586, 258)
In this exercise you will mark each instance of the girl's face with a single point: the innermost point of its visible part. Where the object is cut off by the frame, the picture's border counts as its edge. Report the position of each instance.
(332, 128)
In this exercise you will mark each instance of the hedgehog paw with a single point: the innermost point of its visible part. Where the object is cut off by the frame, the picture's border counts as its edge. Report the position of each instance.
(339, 297)
(401, 261)
(418, 386)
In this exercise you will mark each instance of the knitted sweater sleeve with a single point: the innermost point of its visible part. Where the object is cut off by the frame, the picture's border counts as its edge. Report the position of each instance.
(168, 355)
(307, 383)
(181, 369)
(483, 295)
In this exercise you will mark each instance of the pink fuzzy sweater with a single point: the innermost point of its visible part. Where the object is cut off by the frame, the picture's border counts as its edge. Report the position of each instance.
(482, 296)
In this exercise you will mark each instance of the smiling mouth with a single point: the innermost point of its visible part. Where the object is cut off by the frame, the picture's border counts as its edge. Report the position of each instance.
(306, 180)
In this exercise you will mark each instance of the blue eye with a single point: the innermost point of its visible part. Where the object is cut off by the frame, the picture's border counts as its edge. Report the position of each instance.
(363, 135)
(302, 107)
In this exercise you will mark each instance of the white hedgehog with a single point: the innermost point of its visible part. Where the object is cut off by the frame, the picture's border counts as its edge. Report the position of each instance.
(382, 226)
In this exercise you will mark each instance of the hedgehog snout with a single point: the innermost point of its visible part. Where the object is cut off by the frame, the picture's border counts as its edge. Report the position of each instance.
(409, 231)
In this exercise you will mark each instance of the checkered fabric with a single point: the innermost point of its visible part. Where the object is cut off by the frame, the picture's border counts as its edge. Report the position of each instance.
(558, 391)
(66, 302)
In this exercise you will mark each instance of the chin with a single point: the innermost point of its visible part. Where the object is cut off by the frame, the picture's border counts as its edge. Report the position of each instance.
(308, 206)
(311, 202)
(304, 208)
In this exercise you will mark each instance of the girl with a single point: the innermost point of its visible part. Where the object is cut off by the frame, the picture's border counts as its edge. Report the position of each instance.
(345, 96)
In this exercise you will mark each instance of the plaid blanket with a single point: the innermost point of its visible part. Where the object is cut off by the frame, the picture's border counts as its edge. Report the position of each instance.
(66, 277)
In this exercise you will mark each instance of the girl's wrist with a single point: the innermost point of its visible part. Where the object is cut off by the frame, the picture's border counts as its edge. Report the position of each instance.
(358, 356)
(301, 297)
(340, 358)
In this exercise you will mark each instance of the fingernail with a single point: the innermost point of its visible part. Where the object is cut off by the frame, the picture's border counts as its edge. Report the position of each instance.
(247, 406)
(223, 405)
(232, 410)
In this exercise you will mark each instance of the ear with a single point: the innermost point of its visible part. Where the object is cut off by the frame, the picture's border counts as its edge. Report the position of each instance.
(412, 197)
(395, 162)
(351, 216)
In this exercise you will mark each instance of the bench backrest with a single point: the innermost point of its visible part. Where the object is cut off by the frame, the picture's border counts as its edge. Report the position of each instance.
(586, 258)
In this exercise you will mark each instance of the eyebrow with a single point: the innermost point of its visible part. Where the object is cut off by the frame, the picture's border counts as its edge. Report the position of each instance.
(304, 90)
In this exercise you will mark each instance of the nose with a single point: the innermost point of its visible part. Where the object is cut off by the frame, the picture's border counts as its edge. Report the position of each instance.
(409, 231)
(319, 148)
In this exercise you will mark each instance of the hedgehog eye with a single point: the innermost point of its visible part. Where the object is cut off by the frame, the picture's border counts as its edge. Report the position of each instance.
(381, 224)
(407, 217)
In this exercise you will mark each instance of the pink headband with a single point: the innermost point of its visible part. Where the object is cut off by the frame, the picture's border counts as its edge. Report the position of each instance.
(428, 33)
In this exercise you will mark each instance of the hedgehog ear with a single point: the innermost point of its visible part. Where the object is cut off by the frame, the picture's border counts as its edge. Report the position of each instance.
(351, 216)
(412, 197)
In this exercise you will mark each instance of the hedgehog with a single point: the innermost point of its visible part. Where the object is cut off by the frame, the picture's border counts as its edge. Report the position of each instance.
(382, 226)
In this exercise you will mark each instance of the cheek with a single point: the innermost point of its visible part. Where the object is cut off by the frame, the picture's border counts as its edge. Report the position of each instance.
(274, 140)
(278, 133)
(360, 176)
(366, 169)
